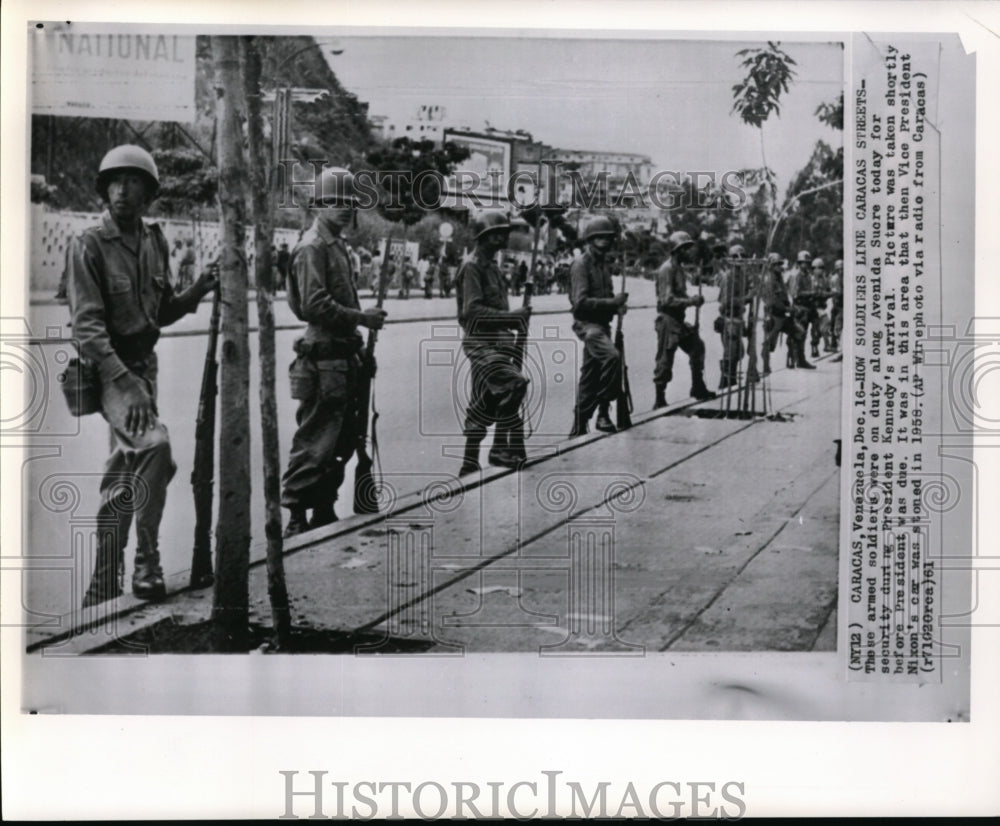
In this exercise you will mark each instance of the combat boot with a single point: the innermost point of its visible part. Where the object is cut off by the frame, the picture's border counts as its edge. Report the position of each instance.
(106, 582)
(604, 423)
(800, 358)
(814, 351)
(323, 515)
(470, 461)
(501, 454)
(698, 389)
(147, 579)
(297, 523)
(661, 396)
(579, 423)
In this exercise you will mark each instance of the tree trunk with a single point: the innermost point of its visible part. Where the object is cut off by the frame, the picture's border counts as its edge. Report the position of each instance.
(261, 187)
(230, 612)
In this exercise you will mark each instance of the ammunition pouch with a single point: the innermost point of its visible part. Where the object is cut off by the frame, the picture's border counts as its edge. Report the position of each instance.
(81, 385)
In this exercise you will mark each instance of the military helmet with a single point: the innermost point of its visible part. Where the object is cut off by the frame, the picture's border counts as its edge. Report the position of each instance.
(679, 240)
(128, 156)
(600, 226)
(335, 187)
(490, 222)
(817, 263)
(838, 264)
(773, 258)
(804, 257)
(737, 251)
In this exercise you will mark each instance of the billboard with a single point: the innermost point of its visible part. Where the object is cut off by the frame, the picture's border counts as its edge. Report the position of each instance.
(481, 179)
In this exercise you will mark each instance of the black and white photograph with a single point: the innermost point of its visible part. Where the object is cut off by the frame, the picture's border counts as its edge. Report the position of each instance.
(529, 372)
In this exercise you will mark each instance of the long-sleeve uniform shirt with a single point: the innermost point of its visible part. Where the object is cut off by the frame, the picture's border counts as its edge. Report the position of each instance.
(120, 297)
(321, 288)
(671, 290)
(734, 291)
(591, 290)
(481, 294)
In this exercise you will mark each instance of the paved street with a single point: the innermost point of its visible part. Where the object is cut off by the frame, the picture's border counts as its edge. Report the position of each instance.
(419, 427)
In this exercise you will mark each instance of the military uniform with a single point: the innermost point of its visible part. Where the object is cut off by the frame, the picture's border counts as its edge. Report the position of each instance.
(119, 299)
(672, 331)
(805, 289)
(734, 295)
(779, 317)
(325, 373)
(498, 387)
(837, 307)
(592, 297)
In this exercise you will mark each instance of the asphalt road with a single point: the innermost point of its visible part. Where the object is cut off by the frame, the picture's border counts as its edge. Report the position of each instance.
(419, 394)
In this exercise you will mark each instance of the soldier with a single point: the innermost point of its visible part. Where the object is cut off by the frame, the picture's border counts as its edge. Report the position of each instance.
(734, 296)
(325, 374)
(800, 291)
(821, 292)
(595, 304)
(672, 331)
(488, 340)
(779, 316)
(837, 309)
(120, 297)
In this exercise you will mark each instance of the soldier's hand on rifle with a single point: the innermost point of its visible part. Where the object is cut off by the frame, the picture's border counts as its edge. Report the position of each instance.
(140, 414)
(696, 300)
(622, 301)
(520, 318)
(373, 318)
(207, 281)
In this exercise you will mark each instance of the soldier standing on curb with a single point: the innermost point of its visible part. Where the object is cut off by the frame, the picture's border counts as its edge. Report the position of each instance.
(324, 376)
(120, 297)
(672, 331)
(488, 340)
(821, 293)
(734, 295)
(837, 309)
(779, 316)
(594, 306)
(800, 291)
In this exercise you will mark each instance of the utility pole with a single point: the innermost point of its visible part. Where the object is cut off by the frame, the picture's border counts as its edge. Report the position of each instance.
(230, 610)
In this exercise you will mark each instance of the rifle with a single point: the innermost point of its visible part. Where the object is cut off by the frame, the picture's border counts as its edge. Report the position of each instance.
(204, 457)
(623, 404)
(365, 492)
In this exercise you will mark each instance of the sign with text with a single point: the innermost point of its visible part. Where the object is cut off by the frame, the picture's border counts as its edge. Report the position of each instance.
(126, 75)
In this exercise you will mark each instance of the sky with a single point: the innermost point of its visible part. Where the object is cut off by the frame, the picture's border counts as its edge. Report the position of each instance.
(669, 99)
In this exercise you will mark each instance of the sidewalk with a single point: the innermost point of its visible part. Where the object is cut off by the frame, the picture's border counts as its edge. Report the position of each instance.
(683, 533)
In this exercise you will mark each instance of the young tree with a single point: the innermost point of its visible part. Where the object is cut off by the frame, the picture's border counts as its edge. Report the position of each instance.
(262, 203)
(231, 612)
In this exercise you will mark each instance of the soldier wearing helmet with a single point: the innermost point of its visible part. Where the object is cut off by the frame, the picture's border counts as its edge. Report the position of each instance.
(489, 339)
(799, 284)
(325, 374)
(734, 296)
(120, 296)
(837, 304)
(672, 331)
(778, 315)
(595, 304)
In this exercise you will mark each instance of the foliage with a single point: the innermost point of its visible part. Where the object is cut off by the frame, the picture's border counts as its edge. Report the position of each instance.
(187, 181)
(398, 201)
(769, 73)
